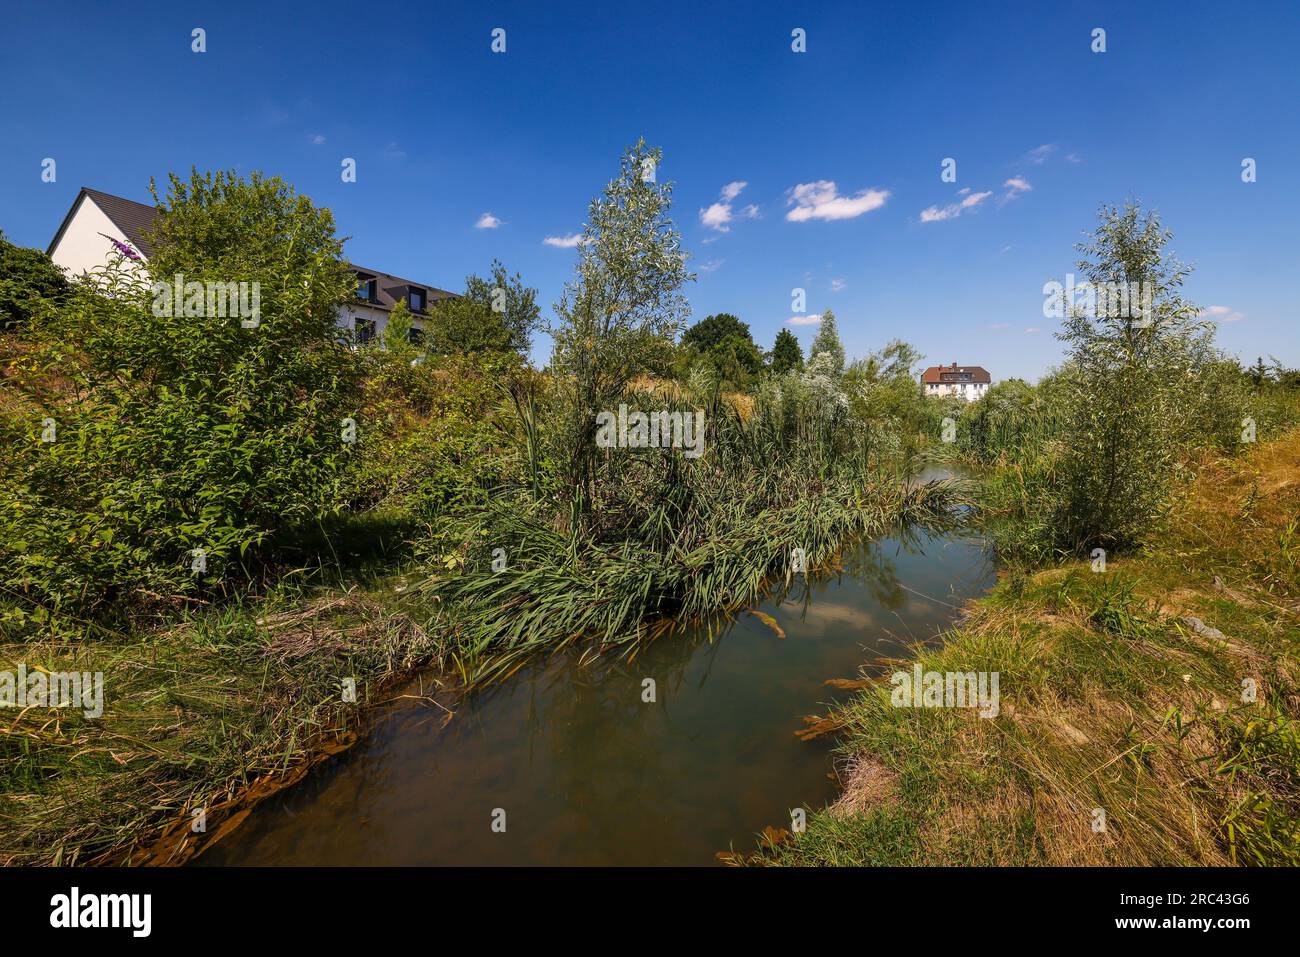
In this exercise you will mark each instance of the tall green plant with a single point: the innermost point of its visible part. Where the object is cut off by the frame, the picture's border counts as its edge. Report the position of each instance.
(786, 354)
(827, 343)
(1129, 383)
(619, 315)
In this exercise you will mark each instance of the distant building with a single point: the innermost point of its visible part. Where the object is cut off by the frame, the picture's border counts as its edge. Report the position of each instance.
(969, 382)
(99, 223)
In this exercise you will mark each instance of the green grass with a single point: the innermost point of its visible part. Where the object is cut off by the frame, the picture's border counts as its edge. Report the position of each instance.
(557, 590)
(1110, 699)
(214, 710)
(193, 715)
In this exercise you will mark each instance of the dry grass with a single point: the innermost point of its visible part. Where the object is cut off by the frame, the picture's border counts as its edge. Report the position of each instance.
(214, 714)
(1111, 699)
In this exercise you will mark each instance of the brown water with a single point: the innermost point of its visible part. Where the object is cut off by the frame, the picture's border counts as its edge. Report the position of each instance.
(588, 773)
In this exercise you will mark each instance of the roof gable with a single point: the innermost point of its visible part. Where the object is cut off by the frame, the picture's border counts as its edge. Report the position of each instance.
(132, 218)
(135, 220)
(955, 375)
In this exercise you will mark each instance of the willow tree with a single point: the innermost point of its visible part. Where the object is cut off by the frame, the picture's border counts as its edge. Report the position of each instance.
(620, 314)
(1135, 376)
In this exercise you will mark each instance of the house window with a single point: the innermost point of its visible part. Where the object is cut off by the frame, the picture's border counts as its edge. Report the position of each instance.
(366, 290)
(364, 330)
(415, 336)
(417, 300)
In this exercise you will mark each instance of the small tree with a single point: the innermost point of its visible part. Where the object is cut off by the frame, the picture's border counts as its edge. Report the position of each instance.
(828, 343)
(497, 314)
(786, 354)
(1132, 381)
(397, 336)
(619, 315)
(28, 280)
(725, 343)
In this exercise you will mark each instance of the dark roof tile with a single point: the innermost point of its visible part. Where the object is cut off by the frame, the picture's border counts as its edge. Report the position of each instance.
(136, 219)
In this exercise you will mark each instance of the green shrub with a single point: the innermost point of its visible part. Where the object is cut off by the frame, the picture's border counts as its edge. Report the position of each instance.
(174, 431)
(28, 282)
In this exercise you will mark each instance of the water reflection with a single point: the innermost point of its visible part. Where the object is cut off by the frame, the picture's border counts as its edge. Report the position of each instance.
(589, 773)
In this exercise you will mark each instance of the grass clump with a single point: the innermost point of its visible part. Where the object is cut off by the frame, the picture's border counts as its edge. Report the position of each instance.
(226, 704)
(1161, 692)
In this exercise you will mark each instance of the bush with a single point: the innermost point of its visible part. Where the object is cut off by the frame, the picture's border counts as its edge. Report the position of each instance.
(28, 281)
(433, 441)
(168, 429)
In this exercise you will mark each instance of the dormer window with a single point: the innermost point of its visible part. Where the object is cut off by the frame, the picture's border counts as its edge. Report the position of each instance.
(366, 289)
(416, 299)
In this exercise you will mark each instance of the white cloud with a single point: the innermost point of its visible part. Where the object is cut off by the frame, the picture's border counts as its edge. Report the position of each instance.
(1016, 185)
(1000, 325)
(273, 115)
(317, 139)
(1033, 329)
(1073, 158)
(933, 214)
(804, 320)
(720, 215)
(1223, 314)
(394, 152)
(1039, 154)
(572, 241)
(710, 266)
(822, 200)
(837, 285)
(717, 216)
(487, 221)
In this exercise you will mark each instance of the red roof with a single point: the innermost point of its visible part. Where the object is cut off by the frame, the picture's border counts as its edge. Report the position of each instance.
(955, 375)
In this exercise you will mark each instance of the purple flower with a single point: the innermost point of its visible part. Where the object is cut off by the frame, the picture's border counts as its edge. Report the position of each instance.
(126, 250)
(122, 247)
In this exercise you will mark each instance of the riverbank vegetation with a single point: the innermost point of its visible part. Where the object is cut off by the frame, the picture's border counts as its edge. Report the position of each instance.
(1145, 499)
(1148, 713)
(254, 529)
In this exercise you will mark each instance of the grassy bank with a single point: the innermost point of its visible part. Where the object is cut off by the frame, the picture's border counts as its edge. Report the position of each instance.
(231, 703)
(194, 717)
(1120, 690)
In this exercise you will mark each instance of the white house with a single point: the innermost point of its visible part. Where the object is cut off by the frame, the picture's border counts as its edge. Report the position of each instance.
(969, 382)
(99, 223)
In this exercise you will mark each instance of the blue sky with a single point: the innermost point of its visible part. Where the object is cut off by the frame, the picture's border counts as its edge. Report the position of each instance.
(444, 131)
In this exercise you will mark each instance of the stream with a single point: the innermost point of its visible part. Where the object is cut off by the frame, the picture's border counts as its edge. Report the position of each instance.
(587, 773)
